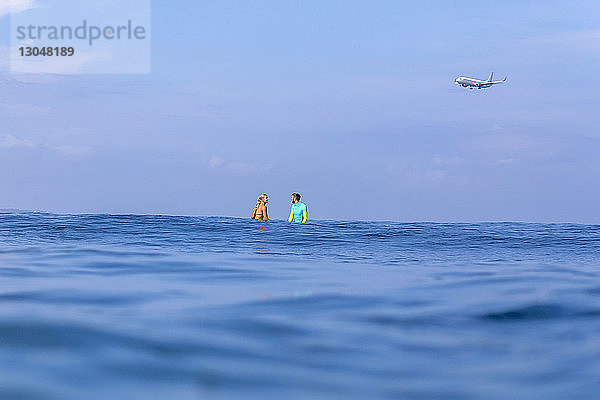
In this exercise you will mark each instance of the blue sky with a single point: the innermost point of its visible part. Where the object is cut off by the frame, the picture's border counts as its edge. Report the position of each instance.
(350, 103)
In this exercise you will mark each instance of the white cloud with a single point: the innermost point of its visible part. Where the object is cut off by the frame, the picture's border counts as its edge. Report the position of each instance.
(23, 110)
(16, 6)
(10, 141)
(215, 162)
(505, 161)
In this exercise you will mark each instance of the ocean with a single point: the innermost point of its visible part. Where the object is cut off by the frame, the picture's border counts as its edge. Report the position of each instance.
(165, 307)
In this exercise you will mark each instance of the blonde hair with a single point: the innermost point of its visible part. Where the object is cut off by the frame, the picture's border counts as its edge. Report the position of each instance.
(260, 199)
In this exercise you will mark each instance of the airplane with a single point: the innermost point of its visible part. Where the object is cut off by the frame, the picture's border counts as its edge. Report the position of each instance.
(473, 83)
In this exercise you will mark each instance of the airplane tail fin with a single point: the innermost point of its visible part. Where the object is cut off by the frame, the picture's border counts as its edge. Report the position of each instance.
(491, 77)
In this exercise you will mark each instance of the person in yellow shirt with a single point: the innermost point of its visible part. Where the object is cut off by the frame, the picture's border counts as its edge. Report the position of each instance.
(298, 214)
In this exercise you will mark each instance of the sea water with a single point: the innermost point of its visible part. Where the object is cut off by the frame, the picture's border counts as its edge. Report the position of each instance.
(162, 307)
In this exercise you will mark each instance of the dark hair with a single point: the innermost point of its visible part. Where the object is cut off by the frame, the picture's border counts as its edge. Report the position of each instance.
(296, 196)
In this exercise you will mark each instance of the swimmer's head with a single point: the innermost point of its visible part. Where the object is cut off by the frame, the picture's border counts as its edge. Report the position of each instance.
(295, 197)
(262, 199)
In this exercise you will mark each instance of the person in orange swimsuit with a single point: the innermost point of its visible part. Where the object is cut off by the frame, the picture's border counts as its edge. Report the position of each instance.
(260, 209)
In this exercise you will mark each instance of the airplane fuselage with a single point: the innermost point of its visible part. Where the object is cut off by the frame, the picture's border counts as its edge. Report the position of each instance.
(472, 83)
